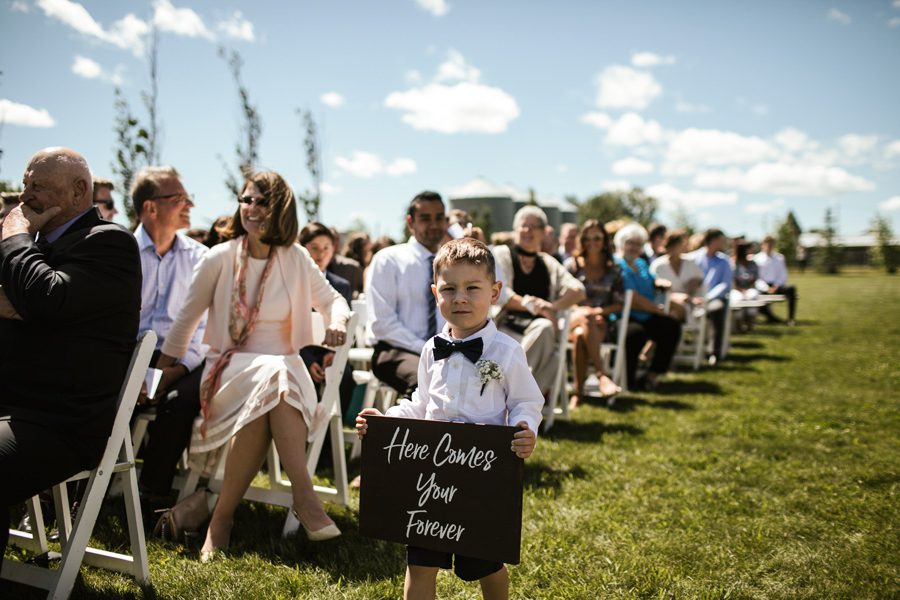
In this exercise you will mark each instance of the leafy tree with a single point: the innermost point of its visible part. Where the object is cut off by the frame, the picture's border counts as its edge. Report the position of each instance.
(828, 256)
(480, 216)
(247, 147)
(131, 150)
(639, 206)
(9, 186)
(312, 199)
(684, 221)
(884, 253)
(150, 102)
(787, 238)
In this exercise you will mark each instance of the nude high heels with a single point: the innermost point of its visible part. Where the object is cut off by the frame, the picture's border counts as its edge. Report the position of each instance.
(293, 523)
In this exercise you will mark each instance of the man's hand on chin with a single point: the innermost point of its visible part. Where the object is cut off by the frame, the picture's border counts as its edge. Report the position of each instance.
(22, 219)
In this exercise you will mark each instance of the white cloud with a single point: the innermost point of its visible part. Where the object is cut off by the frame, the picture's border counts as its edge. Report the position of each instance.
(693, 148)
(839, 17)
(763, 208)
(788, 179)
(127, 33)
(892, 150)
(237, 27)
(672, 198)
(561, 168)
(632, 166)
(464, 106)
(332, 99)
(794, 141)
(329, 188)
(896, 4)
(412, 77)
(597, 119)
(650, 59)
(615, 185)
(891, 204)
(181, 21)
(894, 22)
(632, 130)
(455, 68)
(623, 87)
(90, 69)
(367, 165)
(20, 6)
(854, 145)
(14, 113)
(690, 107)
(438, 8)
(401, 166)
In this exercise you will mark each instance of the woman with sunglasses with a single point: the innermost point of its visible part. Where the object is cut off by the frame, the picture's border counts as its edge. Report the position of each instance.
(260, 288)
(592, 263)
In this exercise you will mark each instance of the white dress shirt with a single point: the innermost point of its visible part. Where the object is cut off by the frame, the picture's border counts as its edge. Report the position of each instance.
(164, 289)
(450, 388)
(398, 288)
(662, 268)
(772, 268)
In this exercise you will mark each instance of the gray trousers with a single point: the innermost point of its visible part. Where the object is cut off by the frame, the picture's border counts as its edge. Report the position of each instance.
(539, 342)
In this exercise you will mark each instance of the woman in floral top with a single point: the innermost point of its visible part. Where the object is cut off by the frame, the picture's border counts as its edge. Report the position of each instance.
(592, 263)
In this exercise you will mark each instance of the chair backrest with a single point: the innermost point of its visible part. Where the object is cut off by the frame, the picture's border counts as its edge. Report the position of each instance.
(624, 318)
(359, 307)
(331, 400)
(131, 387)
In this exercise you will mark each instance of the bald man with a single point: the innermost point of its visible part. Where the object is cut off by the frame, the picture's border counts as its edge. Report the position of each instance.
(69, 312)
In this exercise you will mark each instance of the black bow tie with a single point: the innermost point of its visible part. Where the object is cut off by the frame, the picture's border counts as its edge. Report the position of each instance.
(471, 349)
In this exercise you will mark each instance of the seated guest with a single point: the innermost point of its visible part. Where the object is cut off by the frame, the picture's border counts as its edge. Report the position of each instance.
(746, 282)
(344, 266)
(380, 243)
(717, 276)
(318, 241)
(683, 277)
(8, 201)
(593, 265)
(568, 238)
(359, 248)
(260, 288)
(402, 313)
(648, 320)
(773, 271)
(69, 307)
(550, 245)
(162, 207)
(538, 286)
(216, 234)
(103, 189)
(654, 248)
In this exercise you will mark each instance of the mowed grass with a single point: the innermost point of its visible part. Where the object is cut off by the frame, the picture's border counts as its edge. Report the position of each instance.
(773, 475)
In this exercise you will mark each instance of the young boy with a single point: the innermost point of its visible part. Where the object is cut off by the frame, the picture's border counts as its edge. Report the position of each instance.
(450, 389)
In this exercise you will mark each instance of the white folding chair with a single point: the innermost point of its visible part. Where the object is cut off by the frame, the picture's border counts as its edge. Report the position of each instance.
(692, 347)
(614, 355)
(279, 492)
(118, 457)
(557, 405)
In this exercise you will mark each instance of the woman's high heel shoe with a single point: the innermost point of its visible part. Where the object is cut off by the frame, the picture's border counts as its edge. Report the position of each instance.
(293, 523)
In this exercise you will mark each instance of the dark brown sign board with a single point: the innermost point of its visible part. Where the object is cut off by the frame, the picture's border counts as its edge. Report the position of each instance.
(452, 487)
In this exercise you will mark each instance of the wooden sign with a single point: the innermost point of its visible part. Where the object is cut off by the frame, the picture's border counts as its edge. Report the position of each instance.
(453, 487)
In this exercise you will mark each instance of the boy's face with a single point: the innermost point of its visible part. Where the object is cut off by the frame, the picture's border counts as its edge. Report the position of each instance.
(464, 294)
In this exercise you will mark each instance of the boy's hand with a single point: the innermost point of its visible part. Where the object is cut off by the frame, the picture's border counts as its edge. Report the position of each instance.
(361, 425)
(523, 441)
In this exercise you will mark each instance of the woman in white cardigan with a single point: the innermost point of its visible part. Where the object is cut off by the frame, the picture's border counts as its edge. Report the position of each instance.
(260, 289)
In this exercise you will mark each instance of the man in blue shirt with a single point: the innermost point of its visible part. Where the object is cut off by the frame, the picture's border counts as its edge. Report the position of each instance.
(717, 276)
(163, 207)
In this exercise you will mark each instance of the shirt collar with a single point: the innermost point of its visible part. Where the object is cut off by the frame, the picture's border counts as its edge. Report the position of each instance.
(487, 333)
(145, 241)
(59, 231)
(419, 249)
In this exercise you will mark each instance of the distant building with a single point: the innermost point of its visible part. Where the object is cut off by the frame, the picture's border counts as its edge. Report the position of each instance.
(503, 201)
(855, 249)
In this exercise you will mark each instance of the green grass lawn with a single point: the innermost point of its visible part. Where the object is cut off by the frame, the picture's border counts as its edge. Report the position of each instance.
(773, 475)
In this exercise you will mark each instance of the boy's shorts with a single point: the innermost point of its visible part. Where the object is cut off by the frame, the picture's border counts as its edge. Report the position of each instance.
(466, 568)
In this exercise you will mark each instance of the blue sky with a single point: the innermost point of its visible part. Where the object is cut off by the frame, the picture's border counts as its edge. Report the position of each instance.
(737, 111)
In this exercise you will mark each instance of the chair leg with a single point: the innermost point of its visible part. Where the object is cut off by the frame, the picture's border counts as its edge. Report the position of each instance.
(140, 570)
(338, 460)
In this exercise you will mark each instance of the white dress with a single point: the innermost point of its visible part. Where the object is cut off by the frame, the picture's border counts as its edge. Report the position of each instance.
(264, 372)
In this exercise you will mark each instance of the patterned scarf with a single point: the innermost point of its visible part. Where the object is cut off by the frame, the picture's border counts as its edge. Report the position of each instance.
(241, 323)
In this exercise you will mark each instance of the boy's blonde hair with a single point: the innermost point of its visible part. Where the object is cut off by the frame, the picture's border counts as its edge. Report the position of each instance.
(465, 250)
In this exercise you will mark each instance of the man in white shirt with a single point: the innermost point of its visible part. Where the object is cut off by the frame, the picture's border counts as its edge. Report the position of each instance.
(167, 260)
(402, 312)
(773, 270)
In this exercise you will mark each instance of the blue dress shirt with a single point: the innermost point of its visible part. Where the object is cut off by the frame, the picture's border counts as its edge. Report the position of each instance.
(717, 273)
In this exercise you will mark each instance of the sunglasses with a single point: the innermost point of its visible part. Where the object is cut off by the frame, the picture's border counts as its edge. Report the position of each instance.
(593, 238)
(180, 197)
(107, 204)
(250, 201)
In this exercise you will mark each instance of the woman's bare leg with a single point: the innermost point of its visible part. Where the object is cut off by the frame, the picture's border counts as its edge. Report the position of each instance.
(579, 359)
(248, 449)
(290, 434)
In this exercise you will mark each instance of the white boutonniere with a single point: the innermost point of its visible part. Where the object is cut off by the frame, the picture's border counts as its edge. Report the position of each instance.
(488, 371)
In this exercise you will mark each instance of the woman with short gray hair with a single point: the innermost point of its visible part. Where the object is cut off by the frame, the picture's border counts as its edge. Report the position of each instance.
(538, 286)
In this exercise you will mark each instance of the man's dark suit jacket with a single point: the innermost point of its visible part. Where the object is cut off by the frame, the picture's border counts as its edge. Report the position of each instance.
(340, 285)
(80, 298)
